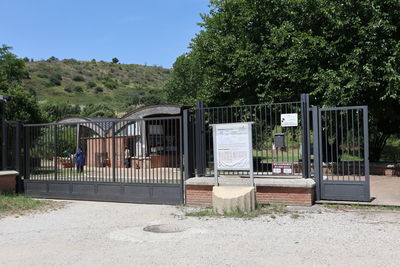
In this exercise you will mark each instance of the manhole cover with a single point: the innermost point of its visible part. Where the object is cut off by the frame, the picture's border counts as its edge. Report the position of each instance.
(163, 228)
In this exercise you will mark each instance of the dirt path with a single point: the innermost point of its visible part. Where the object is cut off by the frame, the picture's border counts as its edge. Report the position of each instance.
(111, 234)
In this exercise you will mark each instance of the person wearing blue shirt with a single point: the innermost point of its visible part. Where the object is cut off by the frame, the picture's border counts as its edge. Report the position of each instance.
(80, 159)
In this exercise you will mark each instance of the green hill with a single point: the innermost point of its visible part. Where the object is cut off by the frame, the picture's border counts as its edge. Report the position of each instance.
(120, 86)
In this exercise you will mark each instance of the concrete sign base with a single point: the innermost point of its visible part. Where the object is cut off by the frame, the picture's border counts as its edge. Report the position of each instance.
(232, 198)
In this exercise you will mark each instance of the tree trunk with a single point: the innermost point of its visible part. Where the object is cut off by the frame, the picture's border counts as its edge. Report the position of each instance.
(377, 145)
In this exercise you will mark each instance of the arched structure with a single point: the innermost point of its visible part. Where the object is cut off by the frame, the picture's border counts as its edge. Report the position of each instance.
(101, 126)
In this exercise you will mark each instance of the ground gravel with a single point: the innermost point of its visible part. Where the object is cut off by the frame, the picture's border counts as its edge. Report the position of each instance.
(111, 234)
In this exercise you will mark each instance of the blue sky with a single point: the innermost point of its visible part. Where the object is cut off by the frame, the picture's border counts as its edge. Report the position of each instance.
(152, 32)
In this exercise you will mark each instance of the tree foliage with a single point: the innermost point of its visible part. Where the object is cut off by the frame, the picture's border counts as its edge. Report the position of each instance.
(342, 52)
(23, 106)
(55, 112)
(98, 111)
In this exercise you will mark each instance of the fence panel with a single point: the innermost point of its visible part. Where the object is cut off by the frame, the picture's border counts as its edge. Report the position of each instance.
(343, 153)
(266, 127)
(122, 151)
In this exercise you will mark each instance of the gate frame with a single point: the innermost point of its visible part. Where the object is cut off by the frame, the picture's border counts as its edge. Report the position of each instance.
(318, 170)
(131, 192)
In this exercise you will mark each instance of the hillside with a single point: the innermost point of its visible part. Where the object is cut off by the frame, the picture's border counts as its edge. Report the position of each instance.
(84, 82)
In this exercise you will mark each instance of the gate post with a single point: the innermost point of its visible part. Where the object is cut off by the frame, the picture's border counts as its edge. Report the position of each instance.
(200, 139)
(55, 152)
(366, 153)
(113, 150)
(27, 153)
(305, 103)
(17, 146)
(316, 151)
(4, 145)
(187, 163)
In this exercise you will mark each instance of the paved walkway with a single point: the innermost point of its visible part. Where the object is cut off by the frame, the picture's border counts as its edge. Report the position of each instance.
(385, 190)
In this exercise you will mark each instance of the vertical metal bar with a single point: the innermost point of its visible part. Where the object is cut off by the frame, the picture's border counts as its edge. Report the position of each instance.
(251, 153)
(55, 152)
(181, 167)
(113, 150)
(185, 138)
(366, 154)
(18, 154)
(4, 144)
(27, 152)
(305, 125)
(214, 131)
(353, 146)
(358, 144)
(316, 152)
(200, 160)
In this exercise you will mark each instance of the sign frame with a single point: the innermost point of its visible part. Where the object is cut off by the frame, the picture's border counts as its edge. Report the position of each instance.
(289, 120)
(250, 150)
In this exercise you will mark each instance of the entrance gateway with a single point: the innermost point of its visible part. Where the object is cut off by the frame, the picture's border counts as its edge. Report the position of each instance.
(330, 145)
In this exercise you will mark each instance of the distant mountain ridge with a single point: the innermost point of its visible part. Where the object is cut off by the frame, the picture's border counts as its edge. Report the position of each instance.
(88, 82)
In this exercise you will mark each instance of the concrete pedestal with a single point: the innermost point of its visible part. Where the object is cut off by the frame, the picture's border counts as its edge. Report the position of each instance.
(231, 198)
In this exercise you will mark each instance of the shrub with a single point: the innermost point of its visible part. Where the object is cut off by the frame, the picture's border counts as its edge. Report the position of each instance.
(115, 60)
(98, 89)
(78, 89)
(91, 84)
(55, 80)
(32, 91)
(78, 78)
(68, 89)
(42, 75)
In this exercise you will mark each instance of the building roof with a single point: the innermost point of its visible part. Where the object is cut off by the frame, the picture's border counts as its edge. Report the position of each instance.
(102, 126)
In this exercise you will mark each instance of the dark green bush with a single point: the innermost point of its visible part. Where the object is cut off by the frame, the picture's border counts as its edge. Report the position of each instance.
(55, 80)
(78, 89)
(78, 78)
(98, 89)
(91, 84)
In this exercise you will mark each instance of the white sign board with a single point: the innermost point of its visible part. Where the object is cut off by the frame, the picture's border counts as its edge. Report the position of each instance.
(289, 120)
(232, 146)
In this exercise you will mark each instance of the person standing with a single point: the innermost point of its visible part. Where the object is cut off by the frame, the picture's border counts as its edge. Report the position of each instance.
(80, 159)
(127, 157)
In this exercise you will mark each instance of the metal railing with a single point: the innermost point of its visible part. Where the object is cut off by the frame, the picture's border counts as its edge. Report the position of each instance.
(266, 128)
(124, 151)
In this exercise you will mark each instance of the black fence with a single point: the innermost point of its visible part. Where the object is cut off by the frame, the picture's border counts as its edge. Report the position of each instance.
(147, 160)
(272, 142)
(134, 151)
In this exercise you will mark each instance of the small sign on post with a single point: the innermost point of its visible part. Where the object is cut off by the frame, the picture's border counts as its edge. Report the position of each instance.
(233, 148)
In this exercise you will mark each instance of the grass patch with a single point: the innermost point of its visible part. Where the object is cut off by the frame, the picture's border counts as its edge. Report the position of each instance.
(359, 207)
(11, 204)
(272, 210)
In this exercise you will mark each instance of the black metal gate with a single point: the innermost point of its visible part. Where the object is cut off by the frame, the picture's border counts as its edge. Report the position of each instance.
(341, 153)
(266, 128)
(107, 160)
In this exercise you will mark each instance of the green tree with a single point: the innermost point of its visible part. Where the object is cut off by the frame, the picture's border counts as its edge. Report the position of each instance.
(23, 106)
(115, 60)
(341, 52)
(55, 112)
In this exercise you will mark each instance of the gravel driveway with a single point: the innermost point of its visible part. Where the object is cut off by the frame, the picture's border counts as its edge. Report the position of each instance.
(111, 234)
